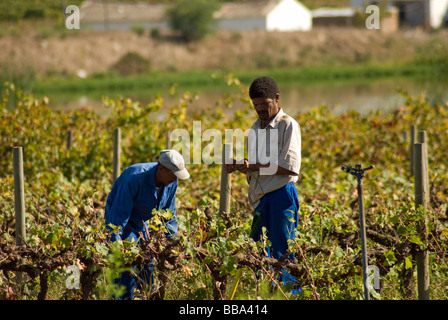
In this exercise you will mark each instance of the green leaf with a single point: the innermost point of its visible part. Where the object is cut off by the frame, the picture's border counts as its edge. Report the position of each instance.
(229, 263)
(402, 230)
(51, 238)
(339, 252)
(390, 257)
(65, 241)
(101, 248)
(415, 239)
(407, 263)
(203, 202)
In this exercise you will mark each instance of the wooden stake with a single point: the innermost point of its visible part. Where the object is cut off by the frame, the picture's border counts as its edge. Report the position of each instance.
(167, 140)
(422, 138)
(117, 155)
(19, 203)
(411, 148)
(421, 197)
(69, 138)
(224, 199)
(19, 196)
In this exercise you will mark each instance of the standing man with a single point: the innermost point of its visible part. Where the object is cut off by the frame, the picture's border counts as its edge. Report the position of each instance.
(136, 192)
(271, 178)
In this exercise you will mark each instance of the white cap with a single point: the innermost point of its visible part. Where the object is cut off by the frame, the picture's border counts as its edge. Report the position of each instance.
(171, 159)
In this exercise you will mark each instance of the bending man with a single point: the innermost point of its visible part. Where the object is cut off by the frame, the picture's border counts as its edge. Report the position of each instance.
(136, 192)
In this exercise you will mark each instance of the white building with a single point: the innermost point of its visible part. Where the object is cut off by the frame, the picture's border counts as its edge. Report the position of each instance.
(281, 15)
(413, 13)
(270, 15)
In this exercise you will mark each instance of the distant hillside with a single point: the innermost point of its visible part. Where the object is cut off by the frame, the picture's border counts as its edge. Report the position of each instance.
(98, 52)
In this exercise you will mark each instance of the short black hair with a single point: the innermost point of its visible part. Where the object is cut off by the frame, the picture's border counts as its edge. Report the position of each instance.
(263, 87)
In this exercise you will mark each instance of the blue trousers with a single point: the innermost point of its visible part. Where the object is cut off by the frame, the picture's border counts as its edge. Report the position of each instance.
(145, 274)
(279, 211)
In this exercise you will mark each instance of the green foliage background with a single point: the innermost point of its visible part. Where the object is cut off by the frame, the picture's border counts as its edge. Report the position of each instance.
(65, 193)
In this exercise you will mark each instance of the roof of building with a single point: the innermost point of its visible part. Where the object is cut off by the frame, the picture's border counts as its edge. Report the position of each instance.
(332, 12)
(244, 10)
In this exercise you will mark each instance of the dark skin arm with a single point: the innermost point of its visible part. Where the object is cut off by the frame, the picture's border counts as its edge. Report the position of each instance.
(253, 167)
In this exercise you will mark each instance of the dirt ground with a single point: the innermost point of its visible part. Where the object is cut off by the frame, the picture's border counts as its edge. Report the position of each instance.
(89, 52)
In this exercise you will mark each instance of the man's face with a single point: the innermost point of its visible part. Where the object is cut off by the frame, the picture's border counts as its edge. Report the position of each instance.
(266, 108)
(166, 176)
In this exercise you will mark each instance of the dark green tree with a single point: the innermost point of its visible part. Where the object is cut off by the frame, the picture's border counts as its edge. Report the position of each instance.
(193, 18)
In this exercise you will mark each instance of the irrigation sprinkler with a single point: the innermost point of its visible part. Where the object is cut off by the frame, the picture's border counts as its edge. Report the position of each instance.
(359, 172)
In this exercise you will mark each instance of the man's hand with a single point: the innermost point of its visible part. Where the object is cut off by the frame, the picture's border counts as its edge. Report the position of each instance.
(253, 167)
(231, 167)
(242, 167)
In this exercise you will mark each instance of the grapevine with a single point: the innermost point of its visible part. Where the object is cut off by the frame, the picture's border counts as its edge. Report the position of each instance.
(213, 256)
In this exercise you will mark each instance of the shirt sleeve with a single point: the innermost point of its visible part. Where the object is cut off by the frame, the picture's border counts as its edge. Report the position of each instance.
(290, 154)
(121, 208)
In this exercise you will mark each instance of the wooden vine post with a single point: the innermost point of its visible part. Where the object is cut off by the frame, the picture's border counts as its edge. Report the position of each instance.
(224, 199)
(19, 201)
(19, 196)
(421, 189)
(69, 140)
(117, 155)
(411, 149)
(167, 140)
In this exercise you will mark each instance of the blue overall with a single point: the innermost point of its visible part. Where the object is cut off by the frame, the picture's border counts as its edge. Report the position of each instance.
(130, 204)
(279, 211)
